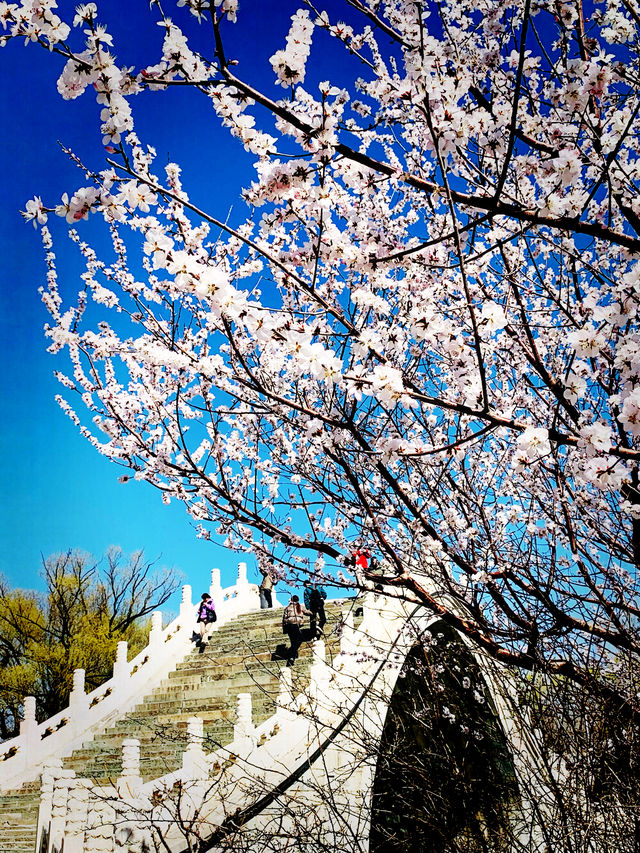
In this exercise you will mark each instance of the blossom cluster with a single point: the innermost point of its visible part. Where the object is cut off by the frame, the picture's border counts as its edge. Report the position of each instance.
(289, 64)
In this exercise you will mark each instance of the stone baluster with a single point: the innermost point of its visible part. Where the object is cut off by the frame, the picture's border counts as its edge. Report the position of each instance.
(186, 605)
(130, 780)
(78, 700)
(285, 694)
(244, 733)
(155, 635)
(194, 760)
(247, 597)
(59, 808)
(319, 672)
(50, 773)
(130, 758)
(77, 812)
(121, 664)
(215, 590)
(77, 691)
(29, 730)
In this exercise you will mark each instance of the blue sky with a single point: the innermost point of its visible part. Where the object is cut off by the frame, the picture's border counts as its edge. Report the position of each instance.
(57, 492)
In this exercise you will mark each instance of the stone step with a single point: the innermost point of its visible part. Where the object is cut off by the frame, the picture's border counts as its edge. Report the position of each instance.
(218, 679)
(17, 830)
(14, 799)
(206, 698)
(244, 661)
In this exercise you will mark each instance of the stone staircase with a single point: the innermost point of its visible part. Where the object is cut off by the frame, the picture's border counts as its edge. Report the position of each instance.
(238, 660)
(18, 819)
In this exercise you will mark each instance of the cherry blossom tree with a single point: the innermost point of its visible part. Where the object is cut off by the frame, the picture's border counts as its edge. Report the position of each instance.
(422, 337)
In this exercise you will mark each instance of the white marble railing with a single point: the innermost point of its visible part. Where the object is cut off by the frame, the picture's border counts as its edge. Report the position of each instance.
(23, 757)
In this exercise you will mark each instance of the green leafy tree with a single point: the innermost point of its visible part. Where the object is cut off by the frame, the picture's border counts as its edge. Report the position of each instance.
(88, 607)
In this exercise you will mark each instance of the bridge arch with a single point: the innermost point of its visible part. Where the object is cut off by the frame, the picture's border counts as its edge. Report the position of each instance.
(445, 779)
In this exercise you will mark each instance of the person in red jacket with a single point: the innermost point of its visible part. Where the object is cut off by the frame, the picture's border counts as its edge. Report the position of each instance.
(362, 557)
(360, 560)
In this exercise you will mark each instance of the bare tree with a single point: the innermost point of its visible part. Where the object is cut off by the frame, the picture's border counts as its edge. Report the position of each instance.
(86, 609)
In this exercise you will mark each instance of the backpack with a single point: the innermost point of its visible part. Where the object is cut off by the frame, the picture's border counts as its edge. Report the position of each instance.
(289, 617)
(315, 599)
(207, 614)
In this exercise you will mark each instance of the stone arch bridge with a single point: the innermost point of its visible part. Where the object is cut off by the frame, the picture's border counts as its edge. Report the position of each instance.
(228, 750)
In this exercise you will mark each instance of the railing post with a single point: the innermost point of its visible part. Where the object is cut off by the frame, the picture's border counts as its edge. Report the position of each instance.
(155, 634)
(29, 730)
(78, 700)
(59, 808)
(247, 597)
(186, 605)
(50, 773)
(244, 731)
(215, 589)
(121, 665)
(194, 760)
(130, 780)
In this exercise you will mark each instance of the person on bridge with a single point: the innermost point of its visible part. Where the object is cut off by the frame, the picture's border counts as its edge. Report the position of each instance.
(206, 618)
(361, 560)
(314, 599)
(292, 619)
(265, 589)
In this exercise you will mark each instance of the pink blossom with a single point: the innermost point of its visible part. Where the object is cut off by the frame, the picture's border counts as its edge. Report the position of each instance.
(289, 64)
(532, 445)
(34, 211)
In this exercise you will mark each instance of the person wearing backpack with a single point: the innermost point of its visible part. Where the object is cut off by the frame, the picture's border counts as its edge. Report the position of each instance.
(314, 599)
(292, 619)
(206, 618)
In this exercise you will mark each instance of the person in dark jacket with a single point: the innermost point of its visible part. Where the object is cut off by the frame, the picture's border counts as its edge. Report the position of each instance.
(314, 599)
(292, 620)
